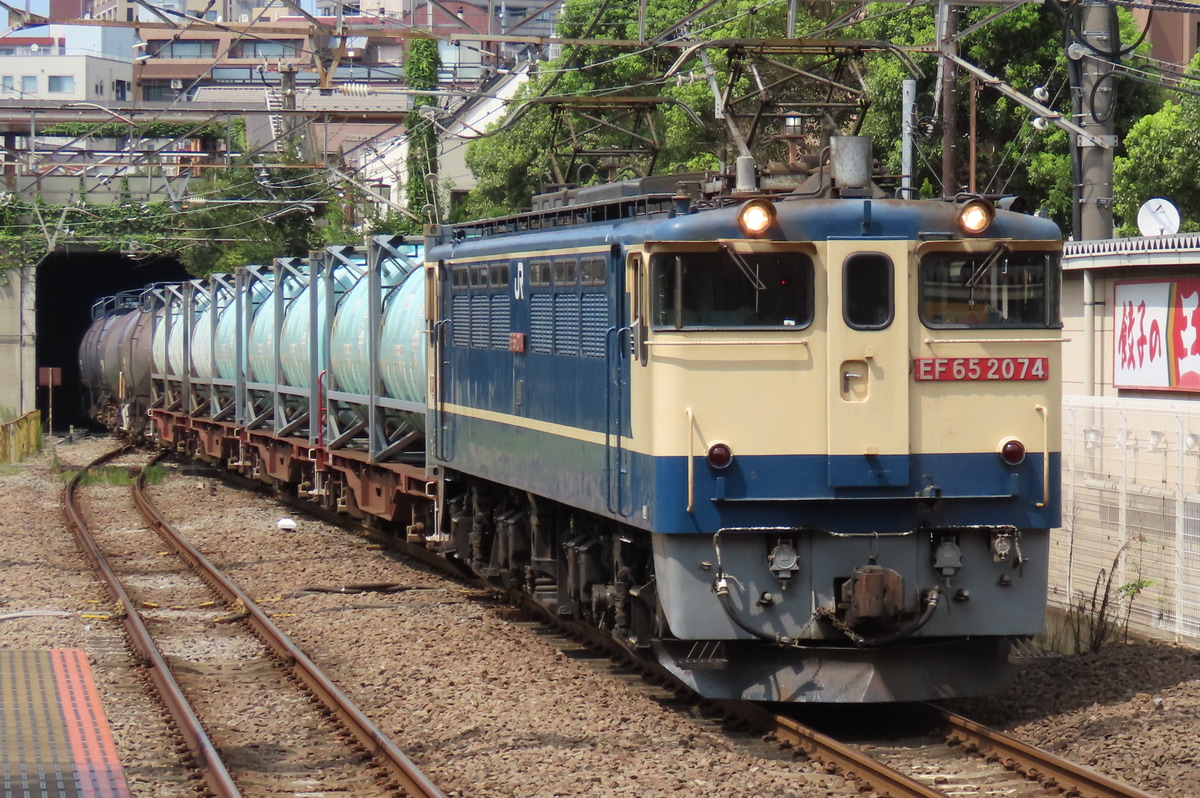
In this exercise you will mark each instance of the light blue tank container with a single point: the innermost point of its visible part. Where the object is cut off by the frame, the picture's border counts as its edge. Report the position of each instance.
(262, 341)
(348, 356)
(402, 349)
(225, 350)
(298, 329)
(202, 344)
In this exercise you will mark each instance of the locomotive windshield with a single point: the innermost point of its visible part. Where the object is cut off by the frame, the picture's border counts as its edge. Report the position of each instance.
(729, 288)
(999, 288)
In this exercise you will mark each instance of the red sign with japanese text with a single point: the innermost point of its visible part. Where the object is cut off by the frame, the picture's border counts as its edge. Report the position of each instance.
(1156, 335)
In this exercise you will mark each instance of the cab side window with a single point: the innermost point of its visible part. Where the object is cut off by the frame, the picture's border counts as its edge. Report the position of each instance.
(868, 288)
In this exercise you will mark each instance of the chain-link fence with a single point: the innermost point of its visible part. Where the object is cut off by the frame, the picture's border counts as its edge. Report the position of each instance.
(1131, 513)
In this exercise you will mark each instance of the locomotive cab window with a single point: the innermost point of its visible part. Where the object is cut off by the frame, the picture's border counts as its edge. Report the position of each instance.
(730, 288)
(996, 288)
(867, 286)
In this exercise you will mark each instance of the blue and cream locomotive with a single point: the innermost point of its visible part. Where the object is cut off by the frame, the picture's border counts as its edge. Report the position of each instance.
(797, 444)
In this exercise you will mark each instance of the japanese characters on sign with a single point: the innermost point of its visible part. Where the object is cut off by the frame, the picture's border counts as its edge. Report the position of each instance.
(1156, 335)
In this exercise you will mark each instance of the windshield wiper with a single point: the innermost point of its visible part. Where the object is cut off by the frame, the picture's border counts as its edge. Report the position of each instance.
(741, 263)
(999, 251)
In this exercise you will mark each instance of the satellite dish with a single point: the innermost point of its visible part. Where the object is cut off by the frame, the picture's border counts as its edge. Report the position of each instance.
(1158, 217)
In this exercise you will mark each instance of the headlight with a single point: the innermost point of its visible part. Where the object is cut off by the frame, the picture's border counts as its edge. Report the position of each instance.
(756, 217)
(976, 216)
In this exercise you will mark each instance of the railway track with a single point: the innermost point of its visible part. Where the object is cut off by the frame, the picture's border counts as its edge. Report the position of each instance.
(996, 764)
(247, 728)
(999, 764)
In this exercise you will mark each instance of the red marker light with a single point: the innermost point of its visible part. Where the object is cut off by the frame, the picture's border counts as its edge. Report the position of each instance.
(1012, 451)
(719, 455)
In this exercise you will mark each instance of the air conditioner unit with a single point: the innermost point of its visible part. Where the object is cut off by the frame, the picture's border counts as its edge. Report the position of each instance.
(243, 18)
(176, 84)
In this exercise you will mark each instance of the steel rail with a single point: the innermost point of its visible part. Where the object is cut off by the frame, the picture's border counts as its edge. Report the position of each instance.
(816, 746)
(1070, 777)
(208, 760)
(813, 744)
(819, 747)
(410, 778)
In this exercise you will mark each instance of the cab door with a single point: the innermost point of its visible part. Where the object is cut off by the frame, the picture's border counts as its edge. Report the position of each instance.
(867, 338)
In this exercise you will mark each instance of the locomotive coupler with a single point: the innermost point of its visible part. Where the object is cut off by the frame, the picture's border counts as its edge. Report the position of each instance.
(873, 593)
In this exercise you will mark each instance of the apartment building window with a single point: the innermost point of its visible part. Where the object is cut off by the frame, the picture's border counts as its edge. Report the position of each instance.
(262, 49)
(195, 49)
(29, 84)
(6, 84)
(61, 84)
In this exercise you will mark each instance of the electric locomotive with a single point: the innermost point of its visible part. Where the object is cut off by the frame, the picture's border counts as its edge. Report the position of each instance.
(793, 438)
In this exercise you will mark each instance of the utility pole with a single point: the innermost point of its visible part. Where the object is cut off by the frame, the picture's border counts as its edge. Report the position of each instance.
(947, 41)
(908, 95)
(1095, 102)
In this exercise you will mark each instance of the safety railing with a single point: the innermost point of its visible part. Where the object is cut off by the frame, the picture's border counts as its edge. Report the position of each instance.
(19, 438)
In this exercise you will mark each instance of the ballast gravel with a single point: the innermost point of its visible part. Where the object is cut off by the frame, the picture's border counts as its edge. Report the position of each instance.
(489, 707)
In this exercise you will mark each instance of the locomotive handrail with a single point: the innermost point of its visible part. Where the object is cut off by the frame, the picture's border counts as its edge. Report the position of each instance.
(691, 466)
(801, 342)
(997, 340)
(1041, 409)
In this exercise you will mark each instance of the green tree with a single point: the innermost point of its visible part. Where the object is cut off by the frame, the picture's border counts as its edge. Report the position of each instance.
(517, 158)
(421, 73)
(254, 212)
(1025, 48)
(1161, 160)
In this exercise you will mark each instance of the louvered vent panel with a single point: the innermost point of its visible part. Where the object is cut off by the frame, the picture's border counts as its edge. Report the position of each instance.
(500, 321)
(479, 321)
(462, 320)
(541, 325)
(566, 324)
(595, 324)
